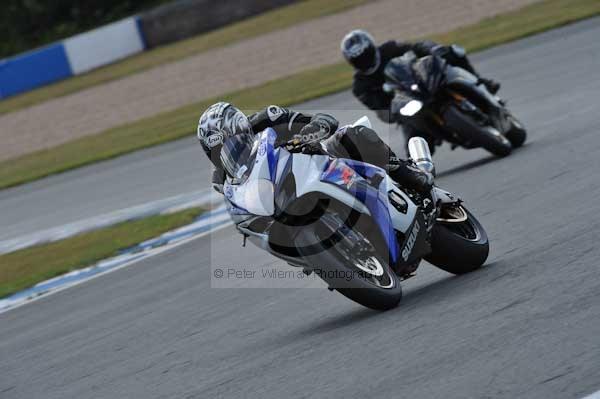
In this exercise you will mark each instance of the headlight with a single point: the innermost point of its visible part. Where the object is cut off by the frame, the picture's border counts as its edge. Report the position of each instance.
(411, 108)
(398, 202)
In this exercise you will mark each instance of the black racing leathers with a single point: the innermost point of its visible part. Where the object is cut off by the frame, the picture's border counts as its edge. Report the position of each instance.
(363, 144)
(369, 88)
(293, 125)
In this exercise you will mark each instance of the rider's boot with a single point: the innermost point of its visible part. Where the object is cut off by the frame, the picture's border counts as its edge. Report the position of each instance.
(411, 177)
(491, 85)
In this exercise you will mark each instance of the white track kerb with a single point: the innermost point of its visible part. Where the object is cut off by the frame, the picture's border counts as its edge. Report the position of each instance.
(205, 224)
(163, 206)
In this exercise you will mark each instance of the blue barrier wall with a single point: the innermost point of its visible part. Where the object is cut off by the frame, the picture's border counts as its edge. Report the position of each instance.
(33, 69)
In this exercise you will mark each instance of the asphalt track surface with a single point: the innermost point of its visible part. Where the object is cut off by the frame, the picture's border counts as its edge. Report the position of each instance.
(526, 325)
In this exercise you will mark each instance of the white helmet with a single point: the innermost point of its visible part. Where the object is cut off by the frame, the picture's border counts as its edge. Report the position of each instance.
(217, 123)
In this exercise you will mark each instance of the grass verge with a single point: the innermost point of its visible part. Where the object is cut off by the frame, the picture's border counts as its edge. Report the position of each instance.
(267, 22)
(27, 267)
(175, 124)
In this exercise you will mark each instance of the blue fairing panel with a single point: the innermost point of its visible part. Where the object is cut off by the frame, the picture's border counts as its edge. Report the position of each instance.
(233, 208)
(350, 175)
(267, 146)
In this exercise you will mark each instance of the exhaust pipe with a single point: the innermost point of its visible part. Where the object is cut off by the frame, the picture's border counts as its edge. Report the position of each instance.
(418, 150)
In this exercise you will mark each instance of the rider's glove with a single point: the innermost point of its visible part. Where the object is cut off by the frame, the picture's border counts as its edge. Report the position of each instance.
(314, 131)
(410, 176)
(218, 188)
(458, 51)
(490, 84)
(218, 177)
(313, 149)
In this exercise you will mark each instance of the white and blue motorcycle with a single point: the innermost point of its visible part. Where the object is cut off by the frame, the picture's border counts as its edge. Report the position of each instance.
(347, 221)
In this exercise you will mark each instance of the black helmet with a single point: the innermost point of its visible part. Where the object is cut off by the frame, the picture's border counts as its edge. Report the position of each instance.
(219, 122)
(359, 49)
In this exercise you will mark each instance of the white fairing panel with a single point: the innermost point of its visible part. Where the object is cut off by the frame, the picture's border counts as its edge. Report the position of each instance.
(256, 194)
(259, 197)
(307, 171)
(401, 221)
(283, 158)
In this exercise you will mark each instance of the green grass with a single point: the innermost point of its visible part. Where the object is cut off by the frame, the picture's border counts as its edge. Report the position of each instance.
(27, 267)
(536, 18)
(267, 22)
(287, 91)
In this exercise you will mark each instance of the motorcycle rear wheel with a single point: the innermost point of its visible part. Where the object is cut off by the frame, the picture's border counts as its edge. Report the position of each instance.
(459, 248)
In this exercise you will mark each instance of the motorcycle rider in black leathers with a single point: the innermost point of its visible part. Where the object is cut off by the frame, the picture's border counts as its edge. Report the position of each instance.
(370, 60)
(223, 120)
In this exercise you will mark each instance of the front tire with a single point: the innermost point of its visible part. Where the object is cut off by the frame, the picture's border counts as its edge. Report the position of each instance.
(517, 133)
(494, 142)
(484, 136)
(334, 258)
(459, 248)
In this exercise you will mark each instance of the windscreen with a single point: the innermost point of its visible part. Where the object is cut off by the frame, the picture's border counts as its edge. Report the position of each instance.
(399, 74)
(429, 71)
(238, 155)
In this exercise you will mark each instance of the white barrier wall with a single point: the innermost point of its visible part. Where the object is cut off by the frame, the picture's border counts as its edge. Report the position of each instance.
(104, 45)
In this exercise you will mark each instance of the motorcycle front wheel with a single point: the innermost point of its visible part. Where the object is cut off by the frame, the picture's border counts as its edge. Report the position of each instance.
(486, 137)
(349, 263)
(517, 133)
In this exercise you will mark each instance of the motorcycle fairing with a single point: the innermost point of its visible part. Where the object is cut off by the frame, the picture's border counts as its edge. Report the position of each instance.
(429, 72)
(268, 137)
(399, 74)
(352, 176)
(256, 194)
(465, 81)
(269, 173)
(415, 244)
(416, 78)
(307, 171)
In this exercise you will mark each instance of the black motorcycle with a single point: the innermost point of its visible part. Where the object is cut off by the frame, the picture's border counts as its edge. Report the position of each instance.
(447, 103)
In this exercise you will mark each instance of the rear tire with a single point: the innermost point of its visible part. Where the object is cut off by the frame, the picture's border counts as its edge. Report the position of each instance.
(459, 248)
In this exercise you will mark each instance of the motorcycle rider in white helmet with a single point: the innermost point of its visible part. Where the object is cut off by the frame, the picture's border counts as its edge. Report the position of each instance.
(223, 120)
